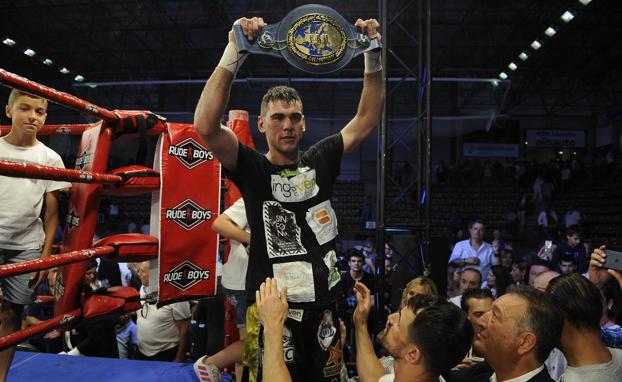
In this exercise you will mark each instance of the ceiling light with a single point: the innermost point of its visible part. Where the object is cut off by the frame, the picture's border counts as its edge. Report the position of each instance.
(78, 78)
(92, 85)
(536, 44)
(523, 56)
(550, 31)
(512, 66)
(585, 2)
(8, 42)
(64, 70)
(494, 83)
(29, 52)
(567, 16)
(47, 62)
(503, 76)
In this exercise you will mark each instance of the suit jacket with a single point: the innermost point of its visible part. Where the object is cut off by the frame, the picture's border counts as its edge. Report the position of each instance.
(482, 372)
(542, 376)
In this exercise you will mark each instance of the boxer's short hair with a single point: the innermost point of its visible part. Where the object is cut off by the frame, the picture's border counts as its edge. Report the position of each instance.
(279, 93)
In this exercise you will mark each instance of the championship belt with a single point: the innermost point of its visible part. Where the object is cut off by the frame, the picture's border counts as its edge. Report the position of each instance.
(313, 38)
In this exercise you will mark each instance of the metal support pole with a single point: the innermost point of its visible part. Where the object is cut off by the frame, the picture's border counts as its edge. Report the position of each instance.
(381, 170)
(419, 111)
(428, 125)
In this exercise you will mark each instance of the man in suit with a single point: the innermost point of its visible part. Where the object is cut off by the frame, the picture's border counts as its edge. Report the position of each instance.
(518, 334)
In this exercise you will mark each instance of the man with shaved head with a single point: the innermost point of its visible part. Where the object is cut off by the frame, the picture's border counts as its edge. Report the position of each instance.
(542, 280)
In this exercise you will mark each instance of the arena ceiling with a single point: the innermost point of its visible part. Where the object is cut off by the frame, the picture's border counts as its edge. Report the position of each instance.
(156, 54)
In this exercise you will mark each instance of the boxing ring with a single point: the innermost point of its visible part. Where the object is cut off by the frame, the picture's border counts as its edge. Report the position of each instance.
(182, 250)
(61, 368)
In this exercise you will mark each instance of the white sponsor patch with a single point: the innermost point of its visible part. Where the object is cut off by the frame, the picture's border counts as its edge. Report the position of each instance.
(297, 276)
(323, 222)
(295, 189)
(333, 272)
(282, 232)
(295, 314)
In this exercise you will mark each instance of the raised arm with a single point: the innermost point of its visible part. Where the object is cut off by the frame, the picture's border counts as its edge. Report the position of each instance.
(272, 310)
(372, 97)
(368, 366)
(215, 97)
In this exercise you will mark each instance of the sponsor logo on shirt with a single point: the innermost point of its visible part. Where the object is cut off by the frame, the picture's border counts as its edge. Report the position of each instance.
(282, 232)
(334, 363)
(297, 276)
(322, 220)
(295, 314)
(330, 259)
(295, 189)
(185, 275)
(188, 214)
(326, 330)
(288, 347)
(289, 172)
(190, 153)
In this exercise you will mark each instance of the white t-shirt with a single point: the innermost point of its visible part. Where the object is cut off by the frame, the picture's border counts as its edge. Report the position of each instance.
(22, 199)
(604, 372)
(485, 254)
(234, 270)
(156, 328)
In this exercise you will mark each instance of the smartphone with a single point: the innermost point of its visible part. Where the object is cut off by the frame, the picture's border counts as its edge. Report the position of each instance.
(613, 260)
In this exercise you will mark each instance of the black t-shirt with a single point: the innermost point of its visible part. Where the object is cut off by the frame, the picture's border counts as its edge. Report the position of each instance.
(293, 225)
(347, 283)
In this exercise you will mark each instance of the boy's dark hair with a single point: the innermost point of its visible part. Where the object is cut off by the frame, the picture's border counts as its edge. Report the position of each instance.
(353, 252)
(441, 331)
(279, 93)
(578, 299)
(476, 293)
(568, 259)
(476, 221)
(474, 270)
(574, 230)
(537, 261)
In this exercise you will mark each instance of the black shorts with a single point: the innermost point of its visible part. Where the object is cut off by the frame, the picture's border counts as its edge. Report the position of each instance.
(311, 345)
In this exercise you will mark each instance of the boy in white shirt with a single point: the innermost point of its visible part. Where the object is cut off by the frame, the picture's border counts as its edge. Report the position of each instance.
(23, 234)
